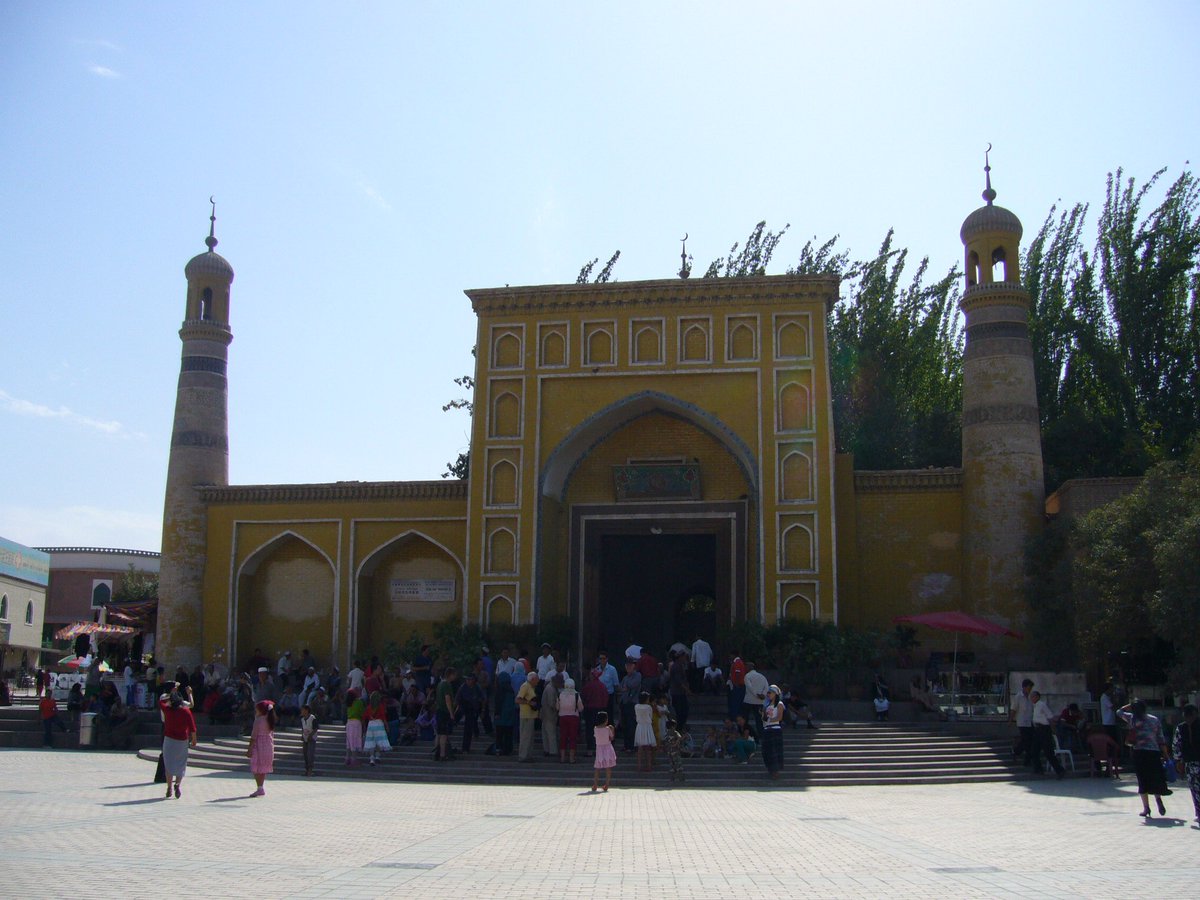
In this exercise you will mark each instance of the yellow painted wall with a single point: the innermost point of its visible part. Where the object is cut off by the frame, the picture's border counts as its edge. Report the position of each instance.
(302, 565)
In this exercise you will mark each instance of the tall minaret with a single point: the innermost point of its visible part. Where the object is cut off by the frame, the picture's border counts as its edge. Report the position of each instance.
(1003, 491)
(199, 453)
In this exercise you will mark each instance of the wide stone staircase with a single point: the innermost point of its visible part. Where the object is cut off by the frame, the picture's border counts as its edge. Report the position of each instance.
(837, 753)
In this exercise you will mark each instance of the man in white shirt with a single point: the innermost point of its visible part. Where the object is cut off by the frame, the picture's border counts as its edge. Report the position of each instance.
(545, 663)
(756, 696)
(714, 678)
(1043, 739)
(283, 669)
(1022, 714)
(701, 655)
(506, 665)
(355, 678)
(1108, 713)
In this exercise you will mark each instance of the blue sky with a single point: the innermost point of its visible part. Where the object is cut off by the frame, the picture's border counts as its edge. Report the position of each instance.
(371, 161)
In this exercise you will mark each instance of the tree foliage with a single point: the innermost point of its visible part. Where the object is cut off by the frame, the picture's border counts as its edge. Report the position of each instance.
(752, 259)
(604, 274)
(895, 358)
(1134, 587)
(1115, 330)
(137, 586)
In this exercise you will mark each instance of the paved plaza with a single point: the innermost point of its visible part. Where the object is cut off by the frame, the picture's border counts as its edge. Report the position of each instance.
(92, 824)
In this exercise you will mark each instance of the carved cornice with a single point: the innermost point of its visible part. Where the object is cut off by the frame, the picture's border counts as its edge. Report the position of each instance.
(908, 481)
(1005, 293)
(768, 289)
(205, 329)
(1001, 414)
(339, 490)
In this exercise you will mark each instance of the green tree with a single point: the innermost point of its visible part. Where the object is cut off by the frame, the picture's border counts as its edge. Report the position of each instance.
(137, 586)
(752, 259)
(895, 359)
(605, 273)
(1134, 588)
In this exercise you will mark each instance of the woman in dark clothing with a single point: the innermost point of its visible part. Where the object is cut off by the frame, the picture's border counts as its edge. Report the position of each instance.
(772, 747)
(1149, 752)
(505, 714)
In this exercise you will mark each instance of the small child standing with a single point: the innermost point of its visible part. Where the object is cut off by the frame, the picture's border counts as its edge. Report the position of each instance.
(354, 726)
(673, 743)
(308, 738)
(606, 756)
(262, 744)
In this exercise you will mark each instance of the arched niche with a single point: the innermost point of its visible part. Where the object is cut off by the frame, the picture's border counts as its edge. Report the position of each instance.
(695, 344)
(795, 407)
(647, 345)
(792, 341)
(383, 581)
(796, 481)
(285, 598)
(500, 610)
(742, 342)
(799, 607)
(501, 551)
(554, 349)
(506, 415)
(502, 484)
(797, 543)
(567, 455)
(506, 353)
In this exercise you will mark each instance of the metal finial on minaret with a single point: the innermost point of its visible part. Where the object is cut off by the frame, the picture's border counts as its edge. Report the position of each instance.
(211, 240)
(988, 194)
(685, 267)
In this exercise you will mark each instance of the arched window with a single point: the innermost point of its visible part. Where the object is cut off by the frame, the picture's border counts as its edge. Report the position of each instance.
(4, 607)
(999, 265)
(29, 613)
(206, 304)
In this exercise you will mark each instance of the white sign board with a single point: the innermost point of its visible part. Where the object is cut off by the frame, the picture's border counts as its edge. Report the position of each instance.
(435, 590)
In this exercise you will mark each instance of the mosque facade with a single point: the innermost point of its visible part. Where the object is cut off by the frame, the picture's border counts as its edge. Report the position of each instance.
(650, 460)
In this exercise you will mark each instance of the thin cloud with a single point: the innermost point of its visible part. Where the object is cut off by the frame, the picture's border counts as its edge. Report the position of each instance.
(99, 42)
(82, 526)
(104, 71)
(19, 407)
(372, 194)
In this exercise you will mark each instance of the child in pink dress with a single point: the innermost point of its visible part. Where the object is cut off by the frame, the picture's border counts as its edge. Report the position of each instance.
(606, 756)
(262, 744)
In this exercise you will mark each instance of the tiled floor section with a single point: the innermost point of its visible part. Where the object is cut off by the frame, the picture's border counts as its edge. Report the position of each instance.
(73, 822)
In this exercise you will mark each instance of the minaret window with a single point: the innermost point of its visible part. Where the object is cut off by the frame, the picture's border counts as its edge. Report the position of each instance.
(999, 265)
(206, 304)
(29, 613)
(972, 268)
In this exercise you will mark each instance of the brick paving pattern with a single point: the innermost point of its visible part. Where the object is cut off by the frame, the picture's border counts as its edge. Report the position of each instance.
(79, 823)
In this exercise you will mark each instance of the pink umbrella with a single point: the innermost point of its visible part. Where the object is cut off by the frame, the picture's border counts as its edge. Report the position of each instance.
(959, 623)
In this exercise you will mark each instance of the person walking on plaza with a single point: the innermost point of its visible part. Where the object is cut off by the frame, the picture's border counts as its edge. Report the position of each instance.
(1187, 753)
(755, 683)
(737, 686)
(1043, 736)
(1149, 751)
(179, 732)
(527, 703)
(677, 687)
(262, 745)
(308, 738)
(628, 691)
(772, 742)
(549, 714)
(356, 710)
(606, 755)
(469, 701)
(446, 693)
(48, 709)
(644, 738)
(375, 739)
(504, 714)
(701, 657)
(1022, 714)
(570, 705)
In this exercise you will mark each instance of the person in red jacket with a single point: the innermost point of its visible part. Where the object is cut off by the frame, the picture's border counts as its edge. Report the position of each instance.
(179, 732)
(737, 686)
(49, 710)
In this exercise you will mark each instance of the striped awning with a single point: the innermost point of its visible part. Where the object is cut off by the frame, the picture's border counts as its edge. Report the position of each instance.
(74, 630)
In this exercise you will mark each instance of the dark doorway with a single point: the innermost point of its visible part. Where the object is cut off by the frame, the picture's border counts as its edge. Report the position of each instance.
(649, 585)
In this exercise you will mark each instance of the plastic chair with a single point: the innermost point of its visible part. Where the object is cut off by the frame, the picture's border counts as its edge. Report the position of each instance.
(1059, 752)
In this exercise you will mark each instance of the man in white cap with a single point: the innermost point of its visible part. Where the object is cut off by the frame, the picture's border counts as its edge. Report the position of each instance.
(264, 688)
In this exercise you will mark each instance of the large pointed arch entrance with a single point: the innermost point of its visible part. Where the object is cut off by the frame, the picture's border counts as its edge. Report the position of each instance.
(659, 567)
